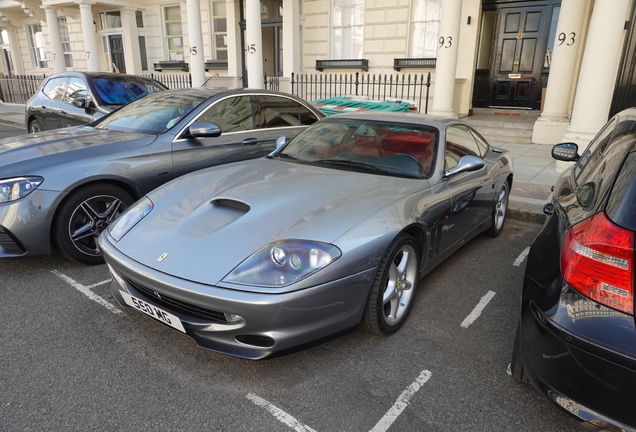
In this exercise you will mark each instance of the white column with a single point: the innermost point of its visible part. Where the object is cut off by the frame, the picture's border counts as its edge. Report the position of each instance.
(57, 50)
(132, 53)
(447, 58)
(88, 32)
(598, 71)
(564, 55)
(254, 44)
(195, 35)
(16, 54)
(291, 37)
(234, 53)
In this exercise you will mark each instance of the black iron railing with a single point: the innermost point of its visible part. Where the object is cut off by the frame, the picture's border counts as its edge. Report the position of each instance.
(19, 88)
(408, 87)
(271, 83)
(172, 81)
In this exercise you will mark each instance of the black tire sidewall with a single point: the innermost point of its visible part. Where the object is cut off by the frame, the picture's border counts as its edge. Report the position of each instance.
(373, 320)
(59, 228)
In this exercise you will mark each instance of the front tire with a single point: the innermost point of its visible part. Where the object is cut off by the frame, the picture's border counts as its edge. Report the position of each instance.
(393, 289)
(500, 211)
(35, 126)
(84, 214)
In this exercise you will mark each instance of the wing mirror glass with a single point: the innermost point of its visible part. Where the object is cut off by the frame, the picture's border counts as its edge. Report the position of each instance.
(465, 164)
(201, 129)
(568, 152)
(79, 102)
(280, 142)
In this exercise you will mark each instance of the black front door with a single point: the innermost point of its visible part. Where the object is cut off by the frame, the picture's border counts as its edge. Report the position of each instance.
(118, 63)
(520, 41)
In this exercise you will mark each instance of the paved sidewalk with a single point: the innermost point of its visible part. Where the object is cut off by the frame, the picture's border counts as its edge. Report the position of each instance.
(533, 164)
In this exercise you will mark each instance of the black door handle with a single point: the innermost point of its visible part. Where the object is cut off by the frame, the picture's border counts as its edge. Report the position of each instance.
(251, 141)
(63, 112)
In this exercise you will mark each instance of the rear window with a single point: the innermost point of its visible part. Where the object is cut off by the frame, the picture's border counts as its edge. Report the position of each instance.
(621, 206)
(122, 91)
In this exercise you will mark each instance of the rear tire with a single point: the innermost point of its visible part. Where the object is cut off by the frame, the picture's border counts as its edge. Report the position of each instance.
(35, 126)
(500, 211)
(83, 215)
(393, 289)
(516, 365)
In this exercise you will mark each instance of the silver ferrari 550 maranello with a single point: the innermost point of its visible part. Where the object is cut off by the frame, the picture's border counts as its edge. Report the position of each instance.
(333, 229)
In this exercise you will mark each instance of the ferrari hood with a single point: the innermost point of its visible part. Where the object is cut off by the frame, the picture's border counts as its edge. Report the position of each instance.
(27, 154)
(209, 221)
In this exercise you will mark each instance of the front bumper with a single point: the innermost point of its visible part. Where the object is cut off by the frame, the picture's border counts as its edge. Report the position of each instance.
(582, 356)
(272, 322)
(25, 224)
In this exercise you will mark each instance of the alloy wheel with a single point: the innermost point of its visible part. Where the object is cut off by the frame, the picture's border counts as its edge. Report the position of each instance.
(90, 218)
(400, 287)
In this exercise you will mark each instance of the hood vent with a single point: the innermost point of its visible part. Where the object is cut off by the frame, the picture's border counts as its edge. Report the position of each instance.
(232, 204)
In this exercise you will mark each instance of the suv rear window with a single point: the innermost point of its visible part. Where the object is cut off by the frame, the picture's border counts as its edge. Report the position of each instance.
(123, 91)
(621, 206)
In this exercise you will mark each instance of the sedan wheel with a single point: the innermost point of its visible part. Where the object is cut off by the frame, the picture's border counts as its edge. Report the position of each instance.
(34, 126)
(82, 218)
(393, 289)
(499, 212)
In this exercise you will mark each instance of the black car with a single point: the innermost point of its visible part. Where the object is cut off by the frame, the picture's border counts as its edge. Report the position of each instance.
(576, 340)
(77, 98)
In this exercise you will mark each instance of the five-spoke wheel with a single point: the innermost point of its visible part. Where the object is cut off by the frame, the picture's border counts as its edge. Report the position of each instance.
(393, 289)
(499, 212)
(83, 216)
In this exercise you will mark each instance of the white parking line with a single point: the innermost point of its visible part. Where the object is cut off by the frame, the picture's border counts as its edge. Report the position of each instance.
(87, 292)
(521, 257)
(477, 311)
(281, 415)
(99, 283)
(401, 403)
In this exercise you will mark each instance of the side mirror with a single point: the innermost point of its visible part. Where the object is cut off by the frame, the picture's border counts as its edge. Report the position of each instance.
(79, 103)
(201, 129)
(280, 142)
(568, 152)
(465, 164)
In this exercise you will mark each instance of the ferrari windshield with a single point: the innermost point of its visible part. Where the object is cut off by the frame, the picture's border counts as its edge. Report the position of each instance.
(153, 114)
(372, 146)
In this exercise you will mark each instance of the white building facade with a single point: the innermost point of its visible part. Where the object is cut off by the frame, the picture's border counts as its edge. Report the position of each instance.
(564, 57)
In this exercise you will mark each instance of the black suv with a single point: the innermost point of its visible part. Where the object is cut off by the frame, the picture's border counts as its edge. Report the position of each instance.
(77, 98)
(576, 340)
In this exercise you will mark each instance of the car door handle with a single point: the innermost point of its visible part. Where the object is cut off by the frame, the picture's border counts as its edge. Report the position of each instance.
(251, 141)
(63, 112)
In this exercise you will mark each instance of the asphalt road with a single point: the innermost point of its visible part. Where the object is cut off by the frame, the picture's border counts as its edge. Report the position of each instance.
(72, 360)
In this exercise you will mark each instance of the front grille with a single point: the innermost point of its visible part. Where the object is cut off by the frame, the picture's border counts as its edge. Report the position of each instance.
(178, 305)
(7, 242)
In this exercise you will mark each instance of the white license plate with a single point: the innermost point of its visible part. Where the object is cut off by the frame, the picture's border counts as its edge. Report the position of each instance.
(153, 311)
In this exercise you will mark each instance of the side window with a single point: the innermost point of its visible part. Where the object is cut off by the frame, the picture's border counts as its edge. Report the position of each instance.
(591, 157)
(481, 143)
(278, 112)
(233, 114)
(306, 116)
(76, 89)
(55, 88)
(459, 142)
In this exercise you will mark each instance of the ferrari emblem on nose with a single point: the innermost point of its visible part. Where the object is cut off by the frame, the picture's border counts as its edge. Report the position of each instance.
(163, 256)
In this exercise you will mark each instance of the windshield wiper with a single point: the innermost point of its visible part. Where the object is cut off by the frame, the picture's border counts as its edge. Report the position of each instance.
(284, 155)
(353, 164)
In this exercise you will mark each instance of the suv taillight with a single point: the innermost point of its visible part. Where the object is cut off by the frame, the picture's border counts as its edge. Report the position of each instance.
(597, 260)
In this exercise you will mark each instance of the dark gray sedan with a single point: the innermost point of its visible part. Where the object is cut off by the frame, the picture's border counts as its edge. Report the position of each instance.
(334, 229)
(78, 98)
(64, 187)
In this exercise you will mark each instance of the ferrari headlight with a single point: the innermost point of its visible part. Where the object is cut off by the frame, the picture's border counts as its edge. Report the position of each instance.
(15, 188)
(283, 263)
(129, 218)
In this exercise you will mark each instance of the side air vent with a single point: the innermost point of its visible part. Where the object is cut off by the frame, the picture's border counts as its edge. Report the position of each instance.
(232, 204)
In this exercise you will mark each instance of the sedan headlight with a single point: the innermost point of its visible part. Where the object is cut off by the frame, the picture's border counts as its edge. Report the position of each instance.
(129, 218)
(15, 188)
(283, 263)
